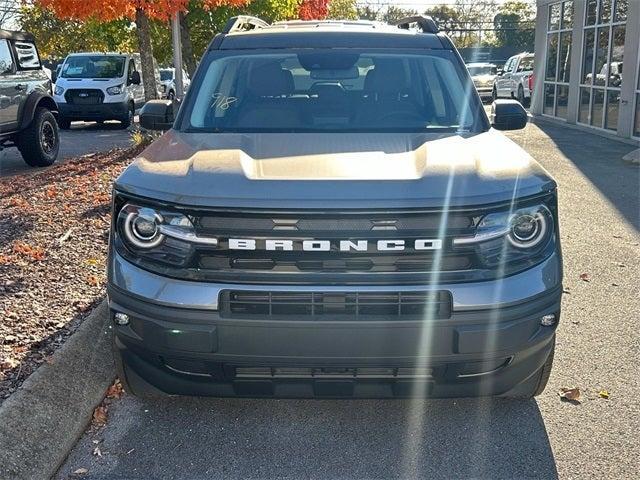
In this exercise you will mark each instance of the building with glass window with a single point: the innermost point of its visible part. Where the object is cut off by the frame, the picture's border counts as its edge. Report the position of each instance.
(587, 70)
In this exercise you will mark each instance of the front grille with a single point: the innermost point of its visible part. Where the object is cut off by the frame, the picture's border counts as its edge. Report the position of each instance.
(335, 305)
(84, 96)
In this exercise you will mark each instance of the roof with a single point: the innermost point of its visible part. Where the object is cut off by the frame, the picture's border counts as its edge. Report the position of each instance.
(325, 34)
(481, 64)
(13, 35)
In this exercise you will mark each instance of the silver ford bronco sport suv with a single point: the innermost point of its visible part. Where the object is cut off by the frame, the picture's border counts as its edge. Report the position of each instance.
(332, 214)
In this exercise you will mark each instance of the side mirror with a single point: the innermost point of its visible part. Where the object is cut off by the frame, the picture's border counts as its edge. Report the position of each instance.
(500, 72)
(157, 115)
(54, 77)
(508, 115)
(135, 78)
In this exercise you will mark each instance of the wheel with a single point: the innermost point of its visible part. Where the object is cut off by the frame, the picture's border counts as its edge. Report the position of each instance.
(128, 120)
(39, 143)
(171, 95)
(521, 98)
(63, 123)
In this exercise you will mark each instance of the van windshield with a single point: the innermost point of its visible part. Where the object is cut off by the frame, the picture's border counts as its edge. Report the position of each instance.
(98, 66)
(337, 91)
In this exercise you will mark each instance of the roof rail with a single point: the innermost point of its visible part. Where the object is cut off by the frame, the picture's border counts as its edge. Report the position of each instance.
(426, 24)
(243, 23)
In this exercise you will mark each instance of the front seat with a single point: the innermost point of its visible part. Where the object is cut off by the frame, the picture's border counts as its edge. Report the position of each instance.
(267, 105)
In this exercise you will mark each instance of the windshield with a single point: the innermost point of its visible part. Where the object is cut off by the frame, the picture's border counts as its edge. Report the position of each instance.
(98, 66)
(526, 64)
(484, 70)
(329, 90)
(166, 74)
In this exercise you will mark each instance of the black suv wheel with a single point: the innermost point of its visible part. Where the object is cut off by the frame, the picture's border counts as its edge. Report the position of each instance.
(39, 143)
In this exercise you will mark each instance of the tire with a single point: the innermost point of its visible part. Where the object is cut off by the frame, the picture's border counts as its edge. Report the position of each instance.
(521, 98)
(63, 123)
(39, 143)
(128, 120)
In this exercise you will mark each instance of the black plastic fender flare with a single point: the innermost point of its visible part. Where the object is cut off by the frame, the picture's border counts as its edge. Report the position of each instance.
(35, 100)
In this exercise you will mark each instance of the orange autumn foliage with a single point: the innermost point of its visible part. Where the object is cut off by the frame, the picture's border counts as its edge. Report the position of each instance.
(114, 9)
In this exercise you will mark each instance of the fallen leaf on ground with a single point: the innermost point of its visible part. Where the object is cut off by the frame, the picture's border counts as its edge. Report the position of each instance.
(603, 394)
(93, 280)
(81, 471)
(115, 390)
(584, 277)
(97, 452)
(100, 416)
(571, 395)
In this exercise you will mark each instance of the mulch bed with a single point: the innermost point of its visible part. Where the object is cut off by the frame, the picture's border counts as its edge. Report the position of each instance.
(53, 244)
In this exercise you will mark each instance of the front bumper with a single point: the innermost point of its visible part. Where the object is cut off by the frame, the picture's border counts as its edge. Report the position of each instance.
(492, 344)
(101, 111)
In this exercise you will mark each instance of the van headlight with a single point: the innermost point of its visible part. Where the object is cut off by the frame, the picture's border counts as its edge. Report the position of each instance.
(58, 90)
(116, 90)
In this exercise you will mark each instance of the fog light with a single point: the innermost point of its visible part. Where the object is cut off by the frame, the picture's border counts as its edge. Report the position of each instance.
(548, 320)
(121, 318)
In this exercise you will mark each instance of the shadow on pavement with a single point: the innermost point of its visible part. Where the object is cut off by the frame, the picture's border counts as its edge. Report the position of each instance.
(348, 439)
(600, 160)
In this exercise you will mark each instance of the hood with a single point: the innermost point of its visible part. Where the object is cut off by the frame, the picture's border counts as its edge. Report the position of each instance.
(333, 170)
(99, 83)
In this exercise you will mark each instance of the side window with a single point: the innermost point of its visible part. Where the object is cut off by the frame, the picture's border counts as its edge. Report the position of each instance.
(27, 55)
(6, 61)
(132, 68)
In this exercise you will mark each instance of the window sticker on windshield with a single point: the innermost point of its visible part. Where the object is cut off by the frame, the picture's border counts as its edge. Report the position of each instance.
(223, 101)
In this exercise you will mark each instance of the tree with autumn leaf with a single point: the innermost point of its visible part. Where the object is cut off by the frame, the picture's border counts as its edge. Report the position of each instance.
(313, 9)
(140, 11)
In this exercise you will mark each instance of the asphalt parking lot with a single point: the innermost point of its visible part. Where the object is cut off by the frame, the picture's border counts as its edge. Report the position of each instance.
(598, 348)
(83, 138)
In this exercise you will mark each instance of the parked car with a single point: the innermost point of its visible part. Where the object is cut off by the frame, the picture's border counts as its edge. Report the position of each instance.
(483, 76)
(515, 80)
(100, 87)
(168, 82)
(330, 215)
(27, 111)
(614, 74)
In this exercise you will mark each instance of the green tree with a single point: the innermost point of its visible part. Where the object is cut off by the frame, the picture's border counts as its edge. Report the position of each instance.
(343, 9)
(514, 25)
(393, 14)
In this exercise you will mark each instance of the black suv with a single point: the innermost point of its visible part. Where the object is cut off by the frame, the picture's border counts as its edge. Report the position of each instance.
(333, 214)
(27, 110)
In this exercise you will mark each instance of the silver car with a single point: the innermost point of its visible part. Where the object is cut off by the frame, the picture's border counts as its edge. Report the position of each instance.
(483, 76)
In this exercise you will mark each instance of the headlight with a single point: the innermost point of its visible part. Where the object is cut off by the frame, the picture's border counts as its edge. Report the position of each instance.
(58, 90)
(117, 90)
(146, 233)
(528, 227)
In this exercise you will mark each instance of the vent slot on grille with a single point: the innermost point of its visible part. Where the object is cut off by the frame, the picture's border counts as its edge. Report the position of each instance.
(347, 305)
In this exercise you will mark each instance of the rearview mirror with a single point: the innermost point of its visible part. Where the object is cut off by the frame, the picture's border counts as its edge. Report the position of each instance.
(135, 78)
(508, 115)
(157, 115)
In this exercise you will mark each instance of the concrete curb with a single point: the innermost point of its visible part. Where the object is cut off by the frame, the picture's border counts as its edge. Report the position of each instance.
(41, 422)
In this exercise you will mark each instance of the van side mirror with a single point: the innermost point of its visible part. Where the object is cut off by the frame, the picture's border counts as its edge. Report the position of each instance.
(54, 76)
(508, 115)
(135, 78)
(157, 115)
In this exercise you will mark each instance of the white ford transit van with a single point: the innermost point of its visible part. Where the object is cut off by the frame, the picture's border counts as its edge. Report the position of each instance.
(100, 87)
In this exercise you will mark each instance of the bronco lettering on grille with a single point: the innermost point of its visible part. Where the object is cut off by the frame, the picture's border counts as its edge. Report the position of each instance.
(327, 245)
